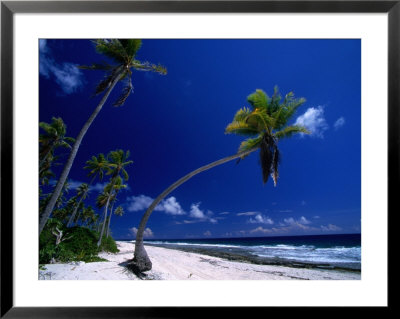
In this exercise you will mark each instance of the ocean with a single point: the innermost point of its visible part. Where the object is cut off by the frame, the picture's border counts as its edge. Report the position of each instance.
(319, 251)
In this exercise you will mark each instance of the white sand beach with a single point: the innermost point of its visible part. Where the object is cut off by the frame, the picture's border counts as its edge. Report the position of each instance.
(170, 264)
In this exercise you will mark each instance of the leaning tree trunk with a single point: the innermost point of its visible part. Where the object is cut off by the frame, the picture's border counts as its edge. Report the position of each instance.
(105, 214)
(104, 222)
(141, 261)
(71, 219)
(50, 206)
(109, 220)
(111, 212)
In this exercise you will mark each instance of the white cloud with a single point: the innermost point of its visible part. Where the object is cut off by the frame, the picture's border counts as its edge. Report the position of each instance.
(200, 215)
(247, 214)
(66, 75)
(170, 206)
(74, 184)
(207, 233)
(313, 119)
(148, 233)
(142, 202)
(291, 221)
(330, 227)
(137, 203)
(196, 212)
(99, 187)
(261, 219)
(339, 123)
(267, 230)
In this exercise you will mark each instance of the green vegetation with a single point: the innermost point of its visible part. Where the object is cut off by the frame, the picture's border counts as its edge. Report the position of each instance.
(57, 243)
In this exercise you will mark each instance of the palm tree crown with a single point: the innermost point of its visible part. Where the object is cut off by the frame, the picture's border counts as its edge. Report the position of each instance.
(97, 166)
(265, 123)
(54, 136)
(123, 53)
(117, 160)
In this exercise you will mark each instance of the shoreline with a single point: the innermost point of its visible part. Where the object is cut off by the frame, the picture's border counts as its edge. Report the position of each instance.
(240, 255)
(174, 264)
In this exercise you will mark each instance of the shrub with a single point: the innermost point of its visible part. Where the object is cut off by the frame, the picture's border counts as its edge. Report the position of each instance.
(80, 244)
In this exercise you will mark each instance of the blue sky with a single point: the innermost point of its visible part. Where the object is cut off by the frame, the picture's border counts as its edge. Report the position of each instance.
(175, 123)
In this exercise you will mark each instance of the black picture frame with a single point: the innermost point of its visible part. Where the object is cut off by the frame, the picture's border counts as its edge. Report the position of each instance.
(9, 8)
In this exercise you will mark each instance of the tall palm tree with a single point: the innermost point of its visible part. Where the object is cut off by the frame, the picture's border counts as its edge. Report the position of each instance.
(81, 193)
(54, 137)
(117, 187)
(117, 161)
(123, 53)
(96, 166)
(87, 215)
(265, 123)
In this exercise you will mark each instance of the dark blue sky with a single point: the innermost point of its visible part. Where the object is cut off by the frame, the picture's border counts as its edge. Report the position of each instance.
(175, 123)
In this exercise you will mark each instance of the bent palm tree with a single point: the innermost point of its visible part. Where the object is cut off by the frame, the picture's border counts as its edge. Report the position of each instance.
(123, 53)
(267, 121)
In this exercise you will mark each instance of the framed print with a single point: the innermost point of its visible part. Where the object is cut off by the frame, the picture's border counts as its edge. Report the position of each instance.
(261, 137)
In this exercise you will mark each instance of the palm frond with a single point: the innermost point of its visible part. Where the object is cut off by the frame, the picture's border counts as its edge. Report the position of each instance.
(260, 119)
(288, 131)
(147, 66)
(242, 114)
(126, 91)
(106, 82)
(113, 49)
(241, 128)
(119, 211)
(258, 99)
(101, 66)
(131, 46)
(250, 144)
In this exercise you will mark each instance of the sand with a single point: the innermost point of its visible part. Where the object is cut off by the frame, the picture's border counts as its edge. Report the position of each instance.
(170, 264)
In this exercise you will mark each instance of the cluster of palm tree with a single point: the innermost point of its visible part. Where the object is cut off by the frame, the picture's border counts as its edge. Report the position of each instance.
(73, 211)
(123, 54)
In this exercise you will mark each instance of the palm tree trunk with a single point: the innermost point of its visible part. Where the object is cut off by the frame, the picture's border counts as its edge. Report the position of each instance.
(105, 214)
(141, 261)
(105, 221)
(109, 219)
(50, 206)
(111, 211)
(43, 160)
(77, 218)
(71, 219)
